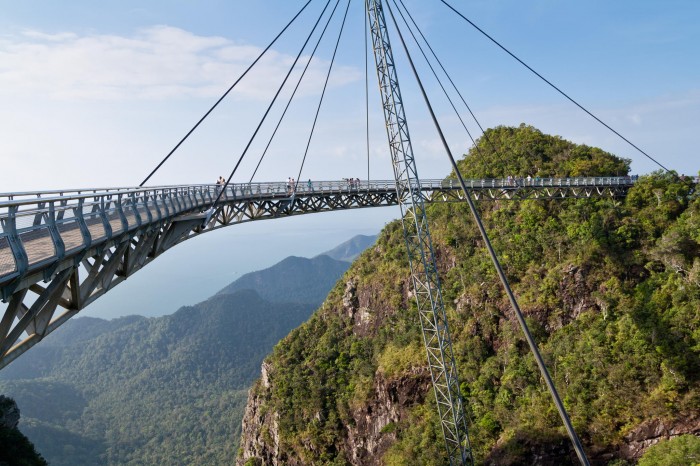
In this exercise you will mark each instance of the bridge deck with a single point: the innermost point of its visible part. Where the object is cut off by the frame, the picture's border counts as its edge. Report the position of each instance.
(60, 223)
(82, 243)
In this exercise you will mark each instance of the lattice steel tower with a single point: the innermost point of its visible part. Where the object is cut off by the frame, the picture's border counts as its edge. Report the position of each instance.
(421, 257)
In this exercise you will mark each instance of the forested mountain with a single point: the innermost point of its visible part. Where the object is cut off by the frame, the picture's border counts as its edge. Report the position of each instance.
(294, 279)
(167, 390)
(349, 250)
(610, 289)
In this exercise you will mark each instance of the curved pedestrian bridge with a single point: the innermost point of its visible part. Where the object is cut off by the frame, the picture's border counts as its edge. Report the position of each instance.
(81, 243)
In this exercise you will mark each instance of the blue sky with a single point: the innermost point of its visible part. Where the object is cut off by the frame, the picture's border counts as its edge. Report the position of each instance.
(96, 93)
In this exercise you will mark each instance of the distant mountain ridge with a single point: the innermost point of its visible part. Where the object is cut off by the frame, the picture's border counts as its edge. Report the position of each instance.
(349, 250)
(165, 390)
(103, 398)
(294, 279)
(302, 280)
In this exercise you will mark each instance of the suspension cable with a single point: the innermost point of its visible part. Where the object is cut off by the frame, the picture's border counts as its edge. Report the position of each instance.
(444, 91)
(262, 120)
(553, 86)
(289, 102)
(366, 20)
(484, 235)
(224, 95)
(240, 159)
(320, 102)
(449, 78)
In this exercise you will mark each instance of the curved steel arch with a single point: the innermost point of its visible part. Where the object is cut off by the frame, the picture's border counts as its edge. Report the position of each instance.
(67, 248)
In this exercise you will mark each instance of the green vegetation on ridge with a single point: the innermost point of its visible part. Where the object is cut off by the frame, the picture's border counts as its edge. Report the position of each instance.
(610, 289)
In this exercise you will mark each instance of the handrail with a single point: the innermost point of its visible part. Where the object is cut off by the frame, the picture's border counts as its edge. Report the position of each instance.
(62, 225)
(302, 187)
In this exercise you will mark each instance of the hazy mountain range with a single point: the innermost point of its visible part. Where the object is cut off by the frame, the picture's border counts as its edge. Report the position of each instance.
(165, 390)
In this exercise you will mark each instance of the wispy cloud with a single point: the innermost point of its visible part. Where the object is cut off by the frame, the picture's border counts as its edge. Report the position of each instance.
(159, 62)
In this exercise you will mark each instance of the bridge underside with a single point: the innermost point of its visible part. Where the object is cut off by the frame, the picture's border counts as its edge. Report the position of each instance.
(74, 251)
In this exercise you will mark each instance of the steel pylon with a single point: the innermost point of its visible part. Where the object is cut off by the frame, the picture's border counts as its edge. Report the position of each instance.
(421, 256)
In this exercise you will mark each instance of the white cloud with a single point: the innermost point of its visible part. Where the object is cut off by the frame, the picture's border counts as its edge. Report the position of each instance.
(159, 62)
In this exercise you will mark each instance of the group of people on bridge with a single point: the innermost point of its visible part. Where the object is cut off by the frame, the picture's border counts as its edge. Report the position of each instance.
(353, 183)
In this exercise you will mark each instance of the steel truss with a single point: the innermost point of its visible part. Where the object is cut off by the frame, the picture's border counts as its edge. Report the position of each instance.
(421, 257)
(130, 236)
(62, 250)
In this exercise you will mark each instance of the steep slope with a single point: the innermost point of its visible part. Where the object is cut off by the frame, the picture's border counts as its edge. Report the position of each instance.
(610, 288)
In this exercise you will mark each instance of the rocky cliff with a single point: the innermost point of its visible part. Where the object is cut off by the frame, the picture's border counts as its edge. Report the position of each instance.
(9, 413)
(610, 289)
(15, 448)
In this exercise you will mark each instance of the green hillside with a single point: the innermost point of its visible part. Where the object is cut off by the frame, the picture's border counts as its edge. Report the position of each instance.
(610, 288)
(167, 390)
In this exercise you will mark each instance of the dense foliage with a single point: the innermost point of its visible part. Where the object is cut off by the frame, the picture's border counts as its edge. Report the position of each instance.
(610, 288)
(17, 450)
(167, 390)
(683, 450)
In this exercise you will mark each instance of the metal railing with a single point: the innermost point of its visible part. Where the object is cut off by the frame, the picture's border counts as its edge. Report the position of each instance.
(58, 223)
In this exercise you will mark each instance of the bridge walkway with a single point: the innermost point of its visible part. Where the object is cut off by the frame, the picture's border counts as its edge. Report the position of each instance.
(70, 247)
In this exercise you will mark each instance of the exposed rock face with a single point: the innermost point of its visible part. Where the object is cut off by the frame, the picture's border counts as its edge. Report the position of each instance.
(652, 432)
(575, 292)
(370, 435)
(260, 435)
(618, 337)
(9, 413)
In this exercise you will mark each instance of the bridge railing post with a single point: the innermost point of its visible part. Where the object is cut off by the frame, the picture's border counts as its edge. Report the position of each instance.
(102, 207)
(79, 215)
(180, 194)
(164, 199)
(147, 197)
(183, 198)
(202, 198)
(9, 226)
(135, 207)
(192, 197)
(156, 204)
(120, 211)
(174, 196)
(59, 245)
(155, 200)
